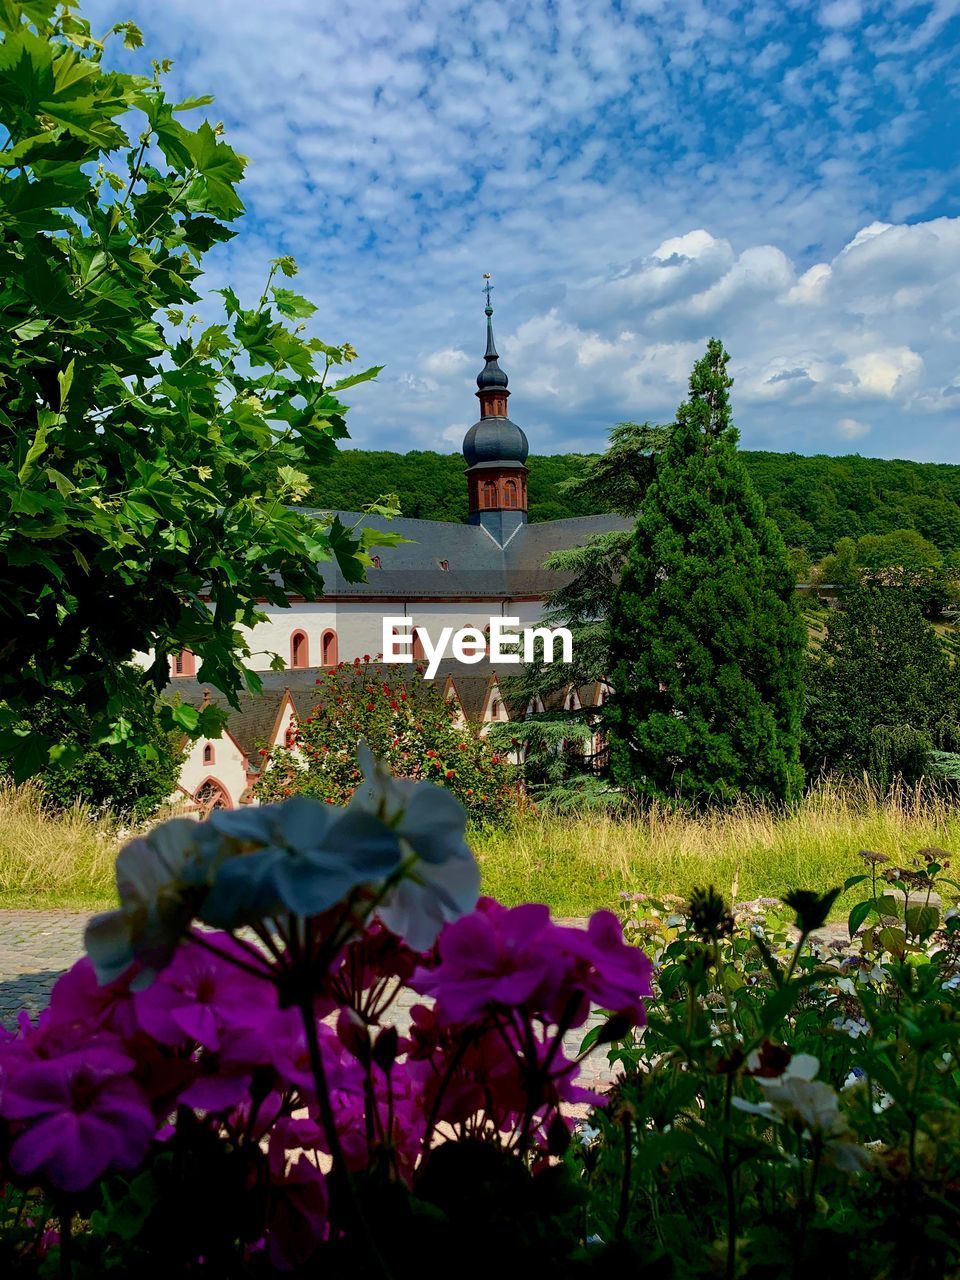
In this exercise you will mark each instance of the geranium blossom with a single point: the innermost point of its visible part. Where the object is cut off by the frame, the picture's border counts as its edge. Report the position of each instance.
(203, 998)
(518, 957)
(303, 856)
(76, 1116)
(162, 879)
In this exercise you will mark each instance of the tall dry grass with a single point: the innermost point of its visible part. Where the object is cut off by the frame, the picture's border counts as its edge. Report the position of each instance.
(51, 859)
(578, 865)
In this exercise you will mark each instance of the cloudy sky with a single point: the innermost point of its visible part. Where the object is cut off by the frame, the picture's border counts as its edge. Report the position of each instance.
(637, 175)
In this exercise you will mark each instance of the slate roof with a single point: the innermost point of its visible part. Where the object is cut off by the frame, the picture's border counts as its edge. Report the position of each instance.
(478, 567)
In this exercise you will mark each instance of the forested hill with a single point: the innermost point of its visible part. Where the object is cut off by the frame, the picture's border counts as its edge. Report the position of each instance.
(815, 501)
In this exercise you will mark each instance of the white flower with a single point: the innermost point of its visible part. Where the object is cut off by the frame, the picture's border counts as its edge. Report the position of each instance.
(442, 879)
(162, 880)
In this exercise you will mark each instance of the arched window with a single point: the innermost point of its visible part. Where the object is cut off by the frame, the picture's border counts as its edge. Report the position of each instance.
(495, 706)
(489, 491)
(290, 736)
(211, 795)
(209, 755)
(299, 650)
(419, 653)
(376, 562)
(184, 664)
(328, 649)
(510, 495)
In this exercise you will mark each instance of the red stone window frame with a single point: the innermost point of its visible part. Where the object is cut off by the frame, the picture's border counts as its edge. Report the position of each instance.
(209, 755)
(329, 648)
(183, 664)
(299, 650)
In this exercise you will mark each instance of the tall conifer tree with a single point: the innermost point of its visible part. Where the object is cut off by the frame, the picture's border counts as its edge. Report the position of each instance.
(708, 640)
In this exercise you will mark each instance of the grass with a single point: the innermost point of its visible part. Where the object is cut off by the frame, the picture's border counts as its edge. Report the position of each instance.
(65, 861)
(54, 860)
(579, 865)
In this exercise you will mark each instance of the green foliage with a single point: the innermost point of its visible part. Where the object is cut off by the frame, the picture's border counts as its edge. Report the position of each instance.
(881, 693)
(791, 1107)
(901, 556)
(814, 501)
(704, 626)
(407, 722)
(109, 779)
(149, 463)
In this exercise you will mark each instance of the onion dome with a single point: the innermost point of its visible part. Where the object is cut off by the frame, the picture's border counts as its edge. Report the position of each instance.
(494, 440)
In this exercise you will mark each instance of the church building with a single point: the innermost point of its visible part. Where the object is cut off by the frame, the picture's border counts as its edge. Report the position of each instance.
(443, 575)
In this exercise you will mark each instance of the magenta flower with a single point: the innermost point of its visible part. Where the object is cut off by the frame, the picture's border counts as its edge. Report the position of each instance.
(499, 959)
(76, 1117)
(492, 958)
(202, 999)
(609, 972)
(78, 1001)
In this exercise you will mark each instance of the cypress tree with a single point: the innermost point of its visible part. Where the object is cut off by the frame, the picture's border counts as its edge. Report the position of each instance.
(708, 639)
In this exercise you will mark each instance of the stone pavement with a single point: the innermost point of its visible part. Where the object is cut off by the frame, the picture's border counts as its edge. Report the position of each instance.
(36, 947)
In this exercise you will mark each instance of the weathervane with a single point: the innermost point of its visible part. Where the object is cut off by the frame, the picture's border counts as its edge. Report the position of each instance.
(487, 289)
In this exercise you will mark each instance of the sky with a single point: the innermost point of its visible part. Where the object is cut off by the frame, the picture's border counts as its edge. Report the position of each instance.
(636, 175)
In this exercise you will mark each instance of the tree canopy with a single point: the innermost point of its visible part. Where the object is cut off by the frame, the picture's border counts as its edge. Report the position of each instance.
(150, 463)
(814, 501)
(704, 626)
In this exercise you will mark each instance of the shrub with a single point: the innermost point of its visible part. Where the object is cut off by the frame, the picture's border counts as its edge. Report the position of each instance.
(407, 722)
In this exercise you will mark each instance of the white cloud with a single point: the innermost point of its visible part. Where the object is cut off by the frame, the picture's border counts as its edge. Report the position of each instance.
(637, 174)
(851, 429)
(841, 13)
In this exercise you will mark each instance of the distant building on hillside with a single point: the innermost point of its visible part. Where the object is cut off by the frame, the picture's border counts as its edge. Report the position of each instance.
(444, 575)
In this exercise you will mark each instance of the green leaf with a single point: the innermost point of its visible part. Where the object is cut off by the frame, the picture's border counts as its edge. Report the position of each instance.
(286, 264)
(922, 921)
(231, 299)
(65, 379)
(36, 450)
(185, 716)
(293, 304)
(853, 880)
(31, 329)
(857, 916)
(354, 379)
(188, 104)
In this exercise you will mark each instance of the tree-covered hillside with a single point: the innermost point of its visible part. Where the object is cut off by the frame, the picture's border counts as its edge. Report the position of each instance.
(815, 501)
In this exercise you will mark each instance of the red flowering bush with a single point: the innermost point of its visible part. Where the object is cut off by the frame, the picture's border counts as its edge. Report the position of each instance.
(246, 1097)
(408, 723)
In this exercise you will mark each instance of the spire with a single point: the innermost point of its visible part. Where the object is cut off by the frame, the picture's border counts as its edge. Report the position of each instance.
(491, 376)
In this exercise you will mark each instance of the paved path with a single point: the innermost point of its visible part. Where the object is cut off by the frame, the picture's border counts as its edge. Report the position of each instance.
(36, 947)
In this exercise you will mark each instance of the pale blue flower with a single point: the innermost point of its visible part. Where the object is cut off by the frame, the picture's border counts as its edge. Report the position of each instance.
(162, 880)
(442, 880)
(311, 856)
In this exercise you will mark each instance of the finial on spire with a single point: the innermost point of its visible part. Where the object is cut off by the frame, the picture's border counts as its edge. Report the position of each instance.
(488, 289)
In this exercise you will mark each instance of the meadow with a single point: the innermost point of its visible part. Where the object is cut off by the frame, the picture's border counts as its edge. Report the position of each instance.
(575, 864)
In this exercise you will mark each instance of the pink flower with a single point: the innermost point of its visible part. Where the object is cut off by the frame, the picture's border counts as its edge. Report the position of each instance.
(76, 1116)
(297, 1217)
(78, 1001)
(500, 959)
(492, 958)
(201, 998)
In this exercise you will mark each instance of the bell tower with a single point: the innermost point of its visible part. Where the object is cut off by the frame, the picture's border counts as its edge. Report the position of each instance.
(495, 450)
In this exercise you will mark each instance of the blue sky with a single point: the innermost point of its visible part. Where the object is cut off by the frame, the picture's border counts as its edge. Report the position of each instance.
(638, 175)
